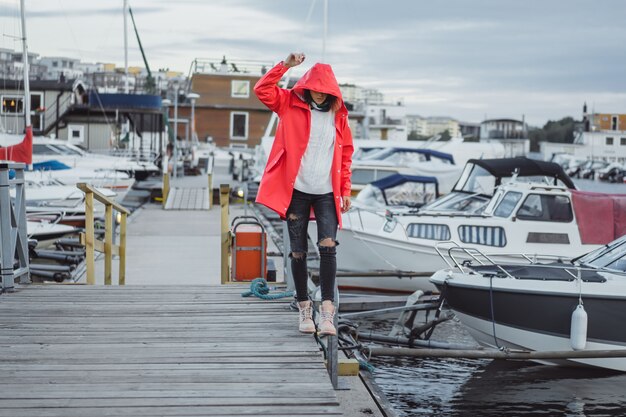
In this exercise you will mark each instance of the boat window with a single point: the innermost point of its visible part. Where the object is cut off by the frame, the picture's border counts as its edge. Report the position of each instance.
(541, 207)
(459, 202)
(611, 256)
(44, 150)
(65, 150)
(508, 203)
(413, 194)
(476, 180)
(483, 235)
(428, 231)
(363, 176)
(371, 196)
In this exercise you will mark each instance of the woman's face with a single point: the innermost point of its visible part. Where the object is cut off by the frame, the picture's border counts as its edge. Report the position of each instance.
(318, 98)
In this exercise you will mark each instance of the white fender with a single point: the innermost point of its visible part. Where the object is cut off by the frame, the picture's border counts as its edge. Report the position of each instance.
(578, 330)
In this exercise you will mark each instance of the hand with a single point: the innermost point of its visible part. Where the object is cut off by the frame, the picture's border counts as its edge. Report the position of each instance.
(294, 59)
(345, 203)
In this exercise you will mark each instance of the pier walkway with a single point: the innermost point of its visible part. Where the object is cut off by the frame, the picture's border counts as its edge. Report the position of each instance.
(82, 351)
(172, 342)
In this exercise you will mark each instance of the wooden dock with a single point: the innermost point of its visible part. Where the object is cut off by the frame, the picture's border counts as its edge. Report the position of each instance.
(86, 351)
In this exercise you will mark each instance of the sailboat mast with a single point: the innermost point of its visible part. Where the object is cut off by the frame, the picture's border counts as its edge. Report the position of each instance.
(126, 90)
(325, 31)
(26, 71)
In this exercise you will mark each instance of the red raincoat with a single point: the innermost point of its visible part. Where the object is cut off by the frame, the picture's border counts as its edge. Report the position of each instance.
(292, 136)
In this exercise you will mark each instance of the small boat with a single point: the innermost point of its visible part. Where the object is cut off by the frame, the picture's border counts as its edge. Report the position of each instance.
(500, 206)
(531, 306)
(46, 233)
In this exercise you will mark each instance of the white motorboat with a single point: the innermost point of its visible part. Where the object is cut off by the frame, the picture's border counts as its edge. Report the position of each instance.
(46, 233)
(379, 164)
(531, 306)
(485, 211)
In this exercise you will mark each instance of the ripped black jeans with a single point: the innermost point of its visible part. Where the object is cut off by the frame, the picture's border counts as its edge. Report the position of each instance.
(297, 222)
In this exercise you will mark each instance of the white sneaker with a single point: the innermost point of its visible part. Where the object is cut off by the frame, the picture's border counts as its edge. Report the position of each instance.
(306, 317)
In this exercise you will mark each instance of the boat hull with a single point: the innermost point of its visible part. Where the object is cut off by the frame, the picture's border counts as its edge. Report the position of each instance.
(537, 320)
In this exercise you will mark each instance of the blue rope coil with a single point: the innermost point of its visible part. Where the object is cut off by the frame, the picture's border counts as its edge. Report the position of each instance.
(260, 289)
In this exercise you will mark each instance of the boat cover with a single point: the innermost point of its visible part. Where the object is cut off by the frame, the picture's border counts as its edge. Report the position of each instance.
(504, 167)
(601, 217)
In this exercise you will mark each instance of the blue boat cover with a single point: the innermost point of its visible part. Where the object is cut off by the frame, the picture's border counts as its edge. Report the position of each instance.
(396, 179)
(51, 165)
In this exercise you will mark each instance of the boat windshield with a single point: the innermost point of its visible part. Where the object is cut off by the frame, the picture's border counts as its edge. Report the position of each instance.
(611, 256)
(476, 180)
(411, 194)
(459, 202)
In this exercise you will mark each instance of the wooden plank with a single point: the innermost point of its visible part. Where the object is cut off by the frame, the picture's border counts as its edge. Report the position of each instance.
(119, 351)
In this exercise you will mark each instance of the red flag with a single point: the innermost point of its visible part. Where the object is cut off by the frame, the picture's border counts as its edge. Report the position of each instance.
(22, 152)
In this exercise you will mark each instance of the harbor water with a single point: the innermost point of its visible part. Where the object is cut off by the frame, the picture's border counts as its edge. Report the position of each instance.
(480, 387)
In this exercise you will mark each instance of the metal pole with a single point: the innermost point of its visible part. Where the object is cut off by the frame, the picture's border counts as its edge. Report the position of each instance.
(291, 286)
(6, 252)
(225, 232)
(175, 155)
(325, 31)
(332, 345)
(26, 66)
(126, 89)
(498, 354)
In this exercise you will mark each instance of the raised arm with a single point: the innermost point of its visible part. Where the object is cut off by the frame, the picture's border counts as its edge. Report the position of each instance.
(267, 90)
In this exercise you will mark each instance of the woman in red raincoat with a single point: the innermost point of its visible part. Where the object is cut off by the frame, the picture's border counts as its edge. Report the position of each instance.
(308, 170)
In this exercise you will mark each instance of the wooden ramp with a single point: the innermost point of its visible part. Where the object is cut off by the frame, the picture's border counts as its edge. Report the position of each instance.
(187, 199)
(83, 351)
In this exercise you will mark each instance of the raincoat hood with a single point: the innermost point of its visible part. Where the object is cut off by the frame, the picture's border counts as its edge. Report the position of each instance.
(319, 78)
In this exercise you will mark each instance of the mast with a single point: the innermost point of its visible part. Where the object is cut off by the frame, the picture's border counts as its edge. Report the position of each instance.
(26, 102)
(325, 31)
(125, 47)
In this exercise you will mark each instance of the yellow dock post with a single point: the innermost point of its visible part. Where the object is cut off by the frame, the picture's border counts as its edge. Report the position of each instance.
(224, 197)
(210, 191)
(122, 249)
(166, 187)
(89, 239)
(108, 242)
(107, 247)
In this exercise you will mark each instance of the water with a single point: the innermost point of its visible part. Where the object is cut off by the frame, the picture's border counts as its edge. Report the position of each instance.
(464, 387)
(468, 387)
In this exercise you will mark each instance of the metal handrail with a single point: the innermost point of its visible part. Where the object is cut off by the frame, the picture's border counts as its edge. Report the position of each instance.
(13, 233)
(107, 247)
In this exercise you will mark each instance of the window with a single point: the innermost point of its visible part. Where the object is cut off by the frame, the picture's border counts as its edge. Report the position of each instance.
(508, 203)
(554, 208)
(428, 231)
(55, 64)
(483, 235)
(75, 134)
(622, 141)
(44, 150)
(614, 122)
(12, 105)
(239, 125)
(609, 141)
(240, 89)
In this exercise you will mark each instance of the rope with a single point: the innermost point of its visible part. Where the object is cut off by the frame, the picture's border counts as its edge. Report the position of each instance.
(260, 289)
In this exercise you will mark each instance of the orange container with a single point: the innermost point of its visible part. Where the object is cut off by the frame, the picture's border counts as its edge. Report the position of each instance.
(249, 251)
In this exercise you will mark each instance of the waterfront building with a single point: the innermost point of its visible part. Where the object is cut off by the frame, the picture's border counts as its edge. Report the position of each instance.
(512, 133)
(431, 126)
(58, 68)
(603, 137)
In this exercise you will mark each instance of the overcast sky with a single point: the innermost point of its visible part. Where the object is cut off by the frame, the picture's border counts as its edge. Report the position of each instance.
(468, 59)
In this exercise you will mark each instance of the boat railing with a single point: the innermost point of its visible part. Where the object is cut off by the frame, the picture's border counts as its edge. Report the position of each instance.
(13, 233)
(107, 246)
(473, 253)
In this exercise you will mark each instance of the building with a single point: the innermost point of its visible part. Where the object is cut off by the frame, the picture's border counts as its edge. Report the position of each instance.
(469, 129)
(227, 113)
(61, 68)
(603, 137)
(502, 129)
(431, 126)
(385, 121)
